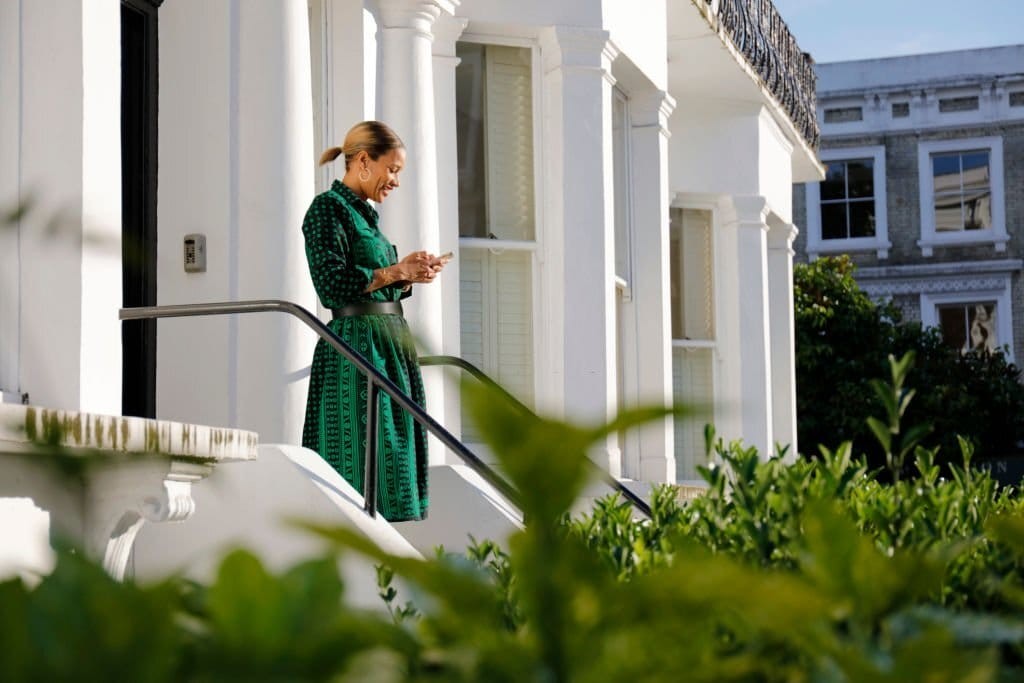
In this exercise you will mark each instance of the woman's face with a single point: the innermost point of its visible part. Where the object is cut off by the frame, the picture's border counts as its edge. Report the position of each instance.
(383, 174)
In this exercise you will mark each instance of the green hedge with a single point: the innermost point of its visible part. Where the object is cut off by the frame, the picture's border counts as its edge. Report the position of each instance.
(809, 571)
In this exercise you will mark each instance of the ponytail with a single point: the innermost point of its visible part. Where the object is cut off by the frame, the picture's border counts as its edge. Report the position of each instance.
(330, 155)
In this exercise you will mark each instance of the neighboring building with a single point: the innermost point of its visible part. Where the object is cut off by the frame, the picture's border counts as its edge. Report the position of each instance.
(614, 176)
(925, 187)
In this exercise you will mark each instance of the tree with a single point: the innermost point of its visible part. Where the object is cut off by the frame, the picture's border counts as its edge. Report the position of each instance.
(843, 339)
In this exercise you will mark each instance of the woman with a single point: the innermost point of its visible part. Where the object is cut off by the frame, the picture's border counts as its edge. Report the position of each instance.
(357, 274)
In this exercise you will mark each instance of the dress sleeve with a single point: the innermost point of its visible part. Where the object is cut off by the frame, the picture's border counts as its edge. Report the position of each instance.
(329, 232)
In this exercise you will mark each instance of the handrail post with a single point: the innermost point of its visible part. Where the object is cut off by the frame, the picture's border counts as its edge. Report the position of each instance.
(370, 469)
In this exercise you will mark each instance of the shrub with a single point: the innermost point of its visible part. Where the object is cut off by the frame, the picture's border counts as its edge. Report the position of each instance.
(767, 578)
(842, 340)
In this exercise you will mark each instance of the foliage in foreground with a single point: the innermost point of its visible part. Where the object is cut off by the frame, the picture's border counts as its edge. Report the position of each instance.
(842, 341)
(768, 578)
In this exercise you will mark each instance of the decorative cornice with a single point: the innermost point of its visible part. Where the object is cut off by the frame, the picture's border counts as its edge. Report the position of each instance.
(652, 108)
(781, 236)
(938, 278)
(750, 211)
(416, 15)
(944, 285)
(447, 30)
(572, 47)
(931, 270)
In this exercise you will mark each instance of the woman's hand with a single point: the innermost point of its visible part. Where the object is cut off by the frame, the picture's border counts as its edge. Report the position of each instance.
(419, 266)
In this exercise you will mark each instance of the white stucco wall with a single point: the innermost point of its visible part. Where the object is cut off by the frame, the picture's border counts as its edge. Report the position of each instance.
(714, 148)
(236, 165)
(10, 190)
(775, 167)
(66, 333)
(638, 30)
(193, 197)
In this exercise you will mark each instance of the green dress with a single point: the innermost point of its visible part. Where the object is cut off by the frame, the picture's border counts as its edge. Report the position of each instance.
(343, 247)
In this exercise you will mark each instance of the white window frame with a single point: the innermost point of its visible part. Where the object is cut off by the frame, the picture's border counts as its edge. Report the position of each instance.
(930, 238)
(533, 246)
(1004, 311)
(880, 243)
(624, 281)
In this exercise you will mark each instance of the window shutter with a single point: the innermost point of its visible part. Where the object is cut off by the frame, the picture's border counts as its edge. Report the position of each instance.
(692, 384)
(510, 143)
(496, 308)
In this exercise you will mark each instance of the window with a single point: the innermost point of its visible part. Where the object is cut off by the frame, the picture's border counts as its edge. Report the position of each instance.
(969, 326)
(961, 193)
(620, 167)
(955, 104)
(900, 110)
(848, 200)
(962, 190)
(844, 115)
(494, 94)
(847, 211)
(691, 273)
(974, 319)
(494, 110)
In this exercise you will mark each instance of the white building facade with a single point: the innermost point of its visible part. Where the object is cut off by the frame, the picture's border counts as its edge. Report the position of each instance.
(614, 178)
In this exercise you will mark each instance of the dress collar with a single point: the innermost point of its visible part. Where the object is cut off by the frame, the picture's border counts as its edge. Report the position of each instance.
(352, 198)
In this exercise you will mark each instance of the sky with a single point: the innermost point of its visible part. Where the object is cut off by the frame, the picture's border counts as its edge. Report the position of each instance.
(841, 30)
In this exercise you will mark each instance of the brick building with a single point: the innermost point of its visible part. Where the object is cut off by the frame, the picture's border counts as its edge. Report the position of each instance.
(925, 187)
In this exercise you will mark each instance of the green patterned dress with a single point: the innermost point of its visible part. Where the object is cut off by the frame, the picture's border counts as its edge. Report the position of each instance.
(343, 247)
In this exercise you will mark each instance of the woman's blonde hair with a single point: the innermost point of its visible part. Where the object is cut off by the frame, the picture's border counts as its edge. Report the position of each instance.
(373, 137)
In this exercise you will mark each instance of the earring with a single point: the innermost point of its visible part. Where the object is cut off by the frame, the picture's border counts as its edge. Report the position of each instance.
(365, 171)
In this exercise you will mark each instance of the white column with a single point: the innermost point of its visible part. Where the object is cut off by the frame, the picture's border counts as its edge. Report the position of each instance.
(70, 166)
(410, 217)
(752, 322)
(649, 114)
(447, 30)
(273, 126)
(783, 354)
(577, 279)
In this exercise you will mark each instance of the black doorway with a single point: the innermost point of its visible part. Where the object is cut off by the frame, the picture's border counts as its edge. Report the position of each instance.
(138, 201)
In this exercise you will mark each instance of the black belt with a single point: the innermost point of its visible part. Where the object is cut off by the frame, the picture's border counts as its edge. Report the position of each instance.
(368, 308)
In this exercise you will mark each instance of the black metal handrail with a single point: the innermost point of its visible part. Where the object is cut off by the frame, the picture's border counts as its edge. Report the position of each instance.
(464, 364)
(375, 382)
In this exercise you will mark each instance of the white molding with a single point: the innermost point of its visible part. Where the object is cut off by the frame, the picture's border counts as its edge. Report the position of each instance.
(996, 235)
(993, 94)
(880, 243)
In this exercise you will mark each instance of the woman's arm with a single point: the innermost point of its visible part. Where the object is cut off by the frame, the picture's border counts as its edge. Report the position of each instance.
(336, 277)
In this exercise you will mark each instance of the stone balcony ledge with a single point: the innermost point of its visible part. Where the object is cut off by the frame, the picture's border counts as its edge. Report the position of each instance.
(25, 429)
(93, 480)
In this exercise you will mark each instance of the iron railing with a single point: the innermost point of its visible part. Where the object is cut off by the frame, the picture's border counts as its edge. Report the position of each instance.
(757, 30)
(376, 382)
(637, 502)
